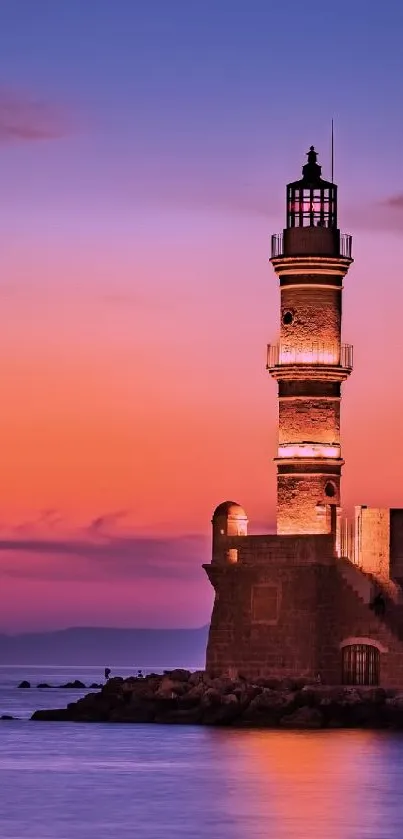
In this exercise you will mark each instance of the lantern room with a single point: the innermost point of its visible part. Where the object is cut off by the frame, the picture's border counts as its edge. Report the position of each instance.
(311, 223)
(311, 202)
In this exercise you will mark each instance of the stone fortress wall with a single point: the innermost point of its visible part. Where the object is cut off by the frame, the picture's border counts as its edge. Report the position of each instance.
(287, 605)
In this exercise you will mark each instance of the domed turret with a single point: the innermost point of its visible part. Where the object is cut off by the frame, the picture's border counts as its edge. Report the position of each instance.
(229, 509)
(230, 519)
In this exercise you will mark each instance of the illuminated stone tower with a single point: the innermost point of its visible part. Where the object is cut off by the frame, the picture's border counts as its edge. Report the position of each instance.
(311, 258)
(309, 601)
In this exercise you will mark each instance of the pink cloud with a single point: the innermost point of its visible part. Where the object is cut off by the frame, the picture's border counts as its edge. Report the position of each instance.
(394, 201)
(25, 118)
(53, 574)
(46, 548)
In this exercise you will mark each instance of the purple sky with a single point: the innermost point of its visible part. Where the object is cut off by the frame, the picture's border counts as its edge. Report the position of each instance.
(144, 152)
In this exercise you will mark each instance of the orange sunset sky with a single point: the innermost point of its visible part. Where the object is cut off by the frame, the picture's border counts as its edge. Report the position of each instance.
(143, 172)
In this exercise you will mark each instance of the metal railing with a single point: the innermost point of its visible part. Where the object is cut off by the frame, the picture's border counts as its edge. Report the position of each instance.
(330, 355)
(277, 245)
(346, 245)
(345, 248)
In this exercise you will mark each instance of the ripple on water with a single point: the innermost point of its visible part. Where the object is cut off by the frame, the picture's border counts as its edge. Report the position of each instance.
(68, 781)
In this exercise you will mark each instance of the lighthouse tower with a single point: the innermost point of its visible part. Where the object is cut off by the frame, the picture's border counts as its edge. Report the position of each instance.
(294, 604)
(311, 258)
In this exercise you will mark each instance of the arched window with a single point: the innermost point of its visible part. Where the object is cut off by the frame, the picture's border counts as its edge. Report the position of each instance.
(360, 665)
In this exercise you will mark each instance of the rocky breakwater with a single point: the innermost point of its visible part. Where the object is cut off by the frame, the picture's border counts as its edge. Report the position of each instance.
(179, 696)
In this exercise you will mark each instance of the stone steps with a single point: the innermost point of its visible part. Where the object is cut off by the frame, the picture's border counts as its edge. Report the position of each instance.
(366, 586)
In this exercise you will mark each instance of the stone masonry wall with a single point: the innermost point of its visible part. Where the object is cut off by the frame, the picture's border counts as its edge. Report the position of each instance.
(288, 620)
(373, 540)
(342, 616)
(254, 638)
(309, 419)
(275, 550)
(396, 544)
(317, 315)
(297, 500)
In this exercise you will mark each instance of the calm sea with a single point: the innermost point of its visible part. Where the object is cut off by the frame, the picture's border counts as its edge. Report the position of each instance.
(67, 781)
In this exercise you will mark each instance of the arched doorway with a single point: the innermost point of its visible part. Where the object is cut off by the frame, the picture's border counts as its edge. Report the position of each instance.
(360, 665)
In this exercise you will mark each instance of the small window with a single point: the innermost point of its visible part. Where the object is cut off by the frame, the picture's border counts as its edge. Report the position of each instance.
(288, 318)
(330, 490)
(265, 603)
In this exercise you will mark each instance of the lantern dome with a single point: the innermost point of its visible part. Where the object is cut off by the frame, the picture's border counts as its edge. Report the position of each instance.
(311, 201)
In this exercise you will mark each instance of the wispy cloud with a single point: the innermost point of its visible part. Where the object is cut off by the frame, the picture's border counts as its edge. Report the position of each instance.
(395, 202)
(99, 551)
(378, 214)
(26, 118)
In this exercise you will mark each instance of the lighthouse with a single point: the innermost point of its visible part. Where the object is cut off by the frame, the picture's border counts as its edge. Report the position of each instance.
(307, 601)
(311, 258)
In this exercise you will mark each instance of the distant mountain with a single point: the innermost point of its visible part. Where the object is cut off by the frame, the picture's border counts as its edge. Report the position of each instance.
(159, 648)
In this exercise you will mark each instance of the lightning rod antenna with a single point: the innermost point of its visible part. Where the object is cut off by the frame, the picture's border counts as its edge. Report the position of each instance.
(332, 153)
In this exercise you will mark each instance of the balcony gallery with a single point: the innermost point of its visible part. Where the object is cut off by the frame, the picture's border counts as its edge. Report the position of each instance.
(313, 353)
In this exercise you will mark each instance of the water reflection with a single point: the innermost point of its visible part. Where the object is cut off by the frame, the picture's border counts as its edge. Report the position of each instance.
(89, 782)
(316, 785)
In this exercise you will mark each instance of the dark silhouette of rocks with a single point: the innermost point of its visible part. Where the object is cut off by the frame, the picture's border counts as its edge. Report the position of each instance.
(75, 685)
(181, 697)
(7, 717)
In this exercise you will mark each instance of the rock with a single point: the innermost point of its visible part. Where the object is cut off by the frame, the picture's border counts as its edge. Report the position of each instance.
(43, 685)
(303, 718)
(52, 715)
(273, 684)
(374, 695)
(197, 677)
(197, 691)
(274, 699)
(24, 685)
(7, 717)
(350, 696)
(396, 701)
(332, 692)
(96, 707)
(180, 716)
(267, 708)
(94, 686)
(76, 685)
(210, 697)
(192, 697)
(306, 696)
(223, 685)
(179, 675)
(391, 693)
(290, 684)
(112, 685)
(134, 713)
(393, 711)
(224, 713)
(230, 699)
(198, 698)
(168, 689)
